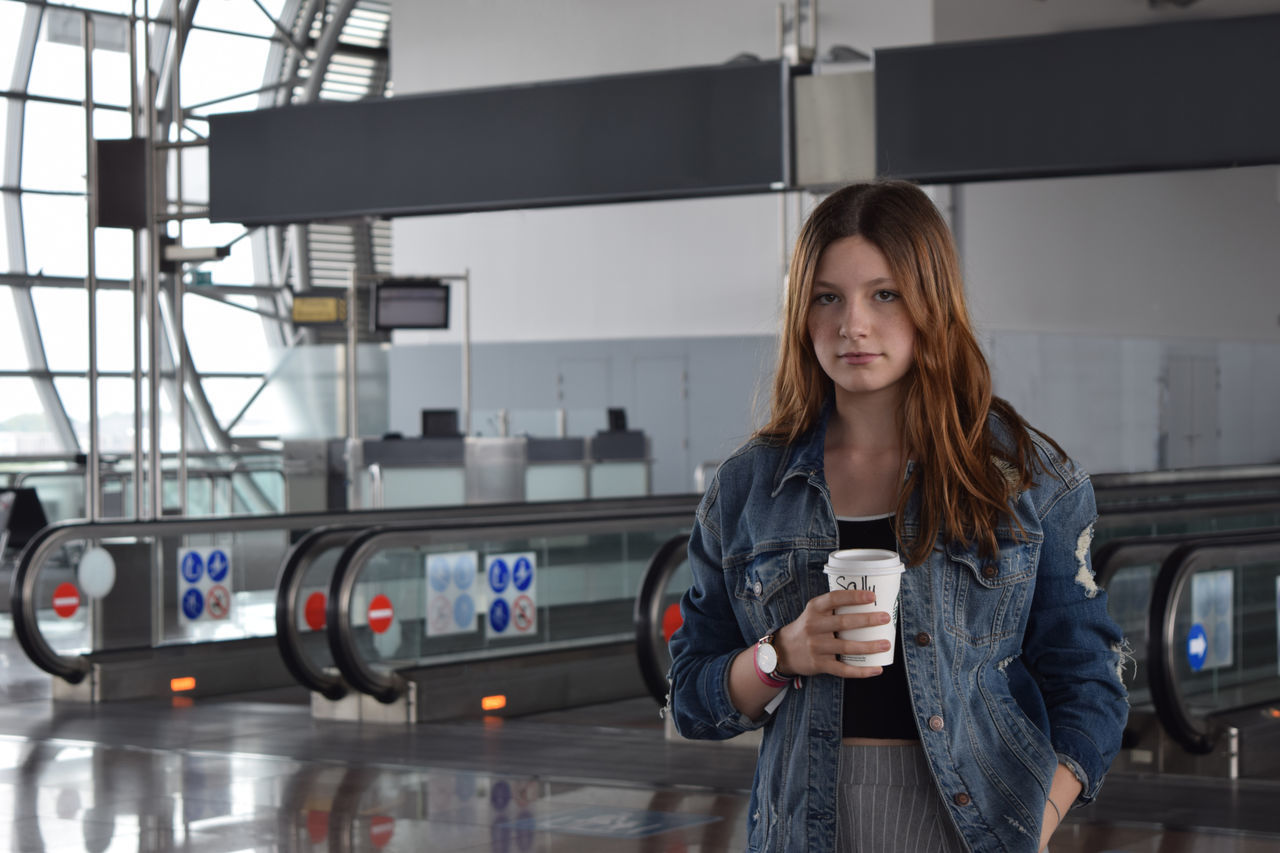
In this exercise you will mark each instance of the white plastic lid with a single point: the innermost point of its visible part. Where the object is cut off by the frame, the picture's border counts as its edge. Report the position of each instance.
(863, 561)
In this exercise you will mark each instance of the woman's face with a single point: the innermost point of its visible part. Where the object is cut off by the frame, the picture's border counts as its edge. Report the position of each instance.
(858, 323)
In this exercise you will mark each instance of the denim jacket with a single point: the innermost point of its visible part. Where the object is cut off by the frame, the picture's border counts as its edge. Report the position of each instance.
(1014, 666)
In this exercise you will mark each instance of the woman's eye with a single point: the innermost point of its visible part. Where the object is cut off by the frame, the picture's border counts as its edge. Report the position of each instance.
(885, 295)
(824, 299)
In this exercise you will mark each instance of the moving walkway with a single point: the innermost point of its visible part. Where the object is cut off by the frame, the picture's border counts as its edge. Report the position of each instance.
(105, 607)
(510, 615)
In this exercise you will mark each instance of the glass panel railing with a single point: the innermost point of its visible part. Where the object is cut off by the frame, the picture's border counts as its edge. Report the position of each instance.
(411, 599)
(1190, 518)
(306, 575)
(245, 489)
(1216, 649)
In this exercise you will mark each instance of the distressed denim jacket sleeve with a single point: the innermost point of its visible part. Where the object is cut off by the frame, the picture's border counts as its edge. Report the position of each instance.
(707, 641)
(1072, 645)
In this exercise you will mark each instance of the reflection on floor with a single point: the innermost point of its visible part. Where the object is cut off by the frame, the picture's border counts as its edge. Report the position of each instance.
(257, 773)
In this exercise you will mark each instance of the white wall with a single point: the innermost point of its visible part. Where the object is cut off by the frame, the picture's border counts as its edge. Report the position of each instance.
(1177, 254)
(1136, 318)
(470, 43)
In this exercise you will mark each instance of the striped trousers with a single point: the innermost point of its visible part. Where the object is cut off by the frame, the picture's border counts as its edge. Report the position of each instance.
(887, 803)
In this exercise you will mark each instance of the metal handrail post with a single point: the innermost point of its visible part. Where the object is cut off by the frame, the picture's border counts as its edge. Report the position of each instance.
(179, 331)
(92, 481)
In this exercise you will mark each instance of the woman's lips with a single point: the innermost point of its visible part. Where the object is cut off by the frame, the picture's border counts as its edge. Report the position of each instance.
(858, 357)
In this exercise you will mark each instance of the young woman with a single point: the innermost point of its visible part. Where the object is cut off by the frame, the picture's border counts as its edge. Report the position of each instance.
(1004, 705)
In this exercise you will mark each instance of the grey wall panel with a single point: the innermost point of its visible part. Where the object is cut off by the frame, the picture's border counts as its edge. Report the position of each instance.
(669, 134)
(1190, 94)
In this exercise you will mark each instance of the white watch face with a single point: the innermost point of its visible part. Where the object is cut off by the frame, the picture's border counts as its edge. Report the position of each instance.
(766, 658)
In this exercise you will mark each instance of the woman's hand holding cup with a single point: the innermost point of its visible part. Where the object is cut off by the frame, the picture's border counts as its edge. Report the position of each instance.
(810, 644)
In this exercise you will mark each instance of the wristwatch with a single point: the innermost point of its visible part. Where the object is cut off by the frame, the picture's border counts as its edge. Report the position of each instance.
(766, 661)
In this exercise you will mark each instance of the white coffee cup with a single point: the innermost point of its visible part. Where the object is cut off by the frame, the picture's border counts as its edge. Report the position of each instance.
(876, 570)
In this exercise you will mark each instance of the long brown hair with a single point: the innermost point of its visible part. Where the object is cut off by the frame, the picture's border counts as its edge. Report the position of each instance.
(963, 475)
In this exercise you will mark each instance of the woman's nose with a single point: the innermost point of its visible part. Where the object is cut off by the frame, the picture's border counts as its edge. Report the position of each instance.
(853, 324)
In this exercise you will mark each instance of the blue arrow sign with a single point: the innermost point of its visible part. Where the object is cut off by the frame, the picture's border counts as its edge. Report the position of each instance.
(1197, 647)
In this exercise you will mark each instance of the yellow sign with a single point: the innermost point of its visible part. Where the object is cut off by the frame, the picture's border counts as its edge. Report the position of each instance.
(319, 309)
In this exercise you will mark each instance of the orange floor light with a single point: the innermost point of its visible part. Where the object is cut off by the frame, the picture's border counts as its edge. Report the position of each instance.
(493, 703)
(180, 685)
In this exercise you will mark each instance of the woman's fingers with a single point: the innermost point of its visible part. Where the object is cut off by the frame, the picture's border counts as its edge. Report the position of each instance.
(811, 643)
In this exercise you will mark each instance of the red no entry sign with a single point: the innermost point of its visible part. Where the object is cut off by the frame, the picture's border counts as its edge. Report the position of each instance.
(380, 613)
(671, 621)
(314, 611)
(66, 599)
(381, 828)
(318, 826)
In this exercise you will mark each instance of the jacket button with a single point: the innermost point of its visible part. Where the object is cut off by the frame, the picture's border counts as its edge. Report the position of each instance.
(935, 723)
(989, 571)
(758, 588)
(962, 799)
(923, 638)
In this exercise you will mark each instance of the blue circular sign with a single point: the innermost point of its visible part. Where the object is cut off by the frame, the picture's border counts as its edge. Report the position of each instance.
(1197, 647)
(439, 574)
(192, 567)
(499, 615)
(192, 603)
(499, 575)
(464, 572)
(218, 565)
(464, 611)
(522, 574)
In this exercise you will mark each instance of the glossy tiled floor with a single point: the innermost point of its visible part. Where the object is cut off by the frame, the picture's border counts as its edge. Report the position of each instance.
(256, 773)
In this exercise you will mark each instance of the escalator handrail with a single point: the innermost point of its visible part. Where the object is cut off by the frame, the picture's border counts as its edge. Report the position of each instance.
(1198, 737)
(388, 685)
(648, 617)
(288, 588)
(1167, 508)
(1107, 559)
(1184, 476)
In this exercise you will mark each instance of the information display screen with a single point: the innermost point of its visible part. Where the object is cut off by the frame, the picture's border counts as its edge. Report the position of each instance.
(410, 304)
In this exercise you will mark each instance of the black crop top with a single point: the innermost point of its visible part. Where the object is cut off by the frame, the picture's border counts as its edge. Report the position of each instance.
(878, 707)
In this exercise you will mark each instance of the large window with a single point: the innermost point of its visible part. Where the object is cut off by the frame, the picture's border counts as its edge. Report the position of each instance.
(235, 54)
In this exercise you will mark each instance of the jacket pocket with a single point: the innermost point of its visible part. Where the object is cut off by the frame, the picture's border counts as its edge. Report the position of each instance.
(986, 599)
(766, 589)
